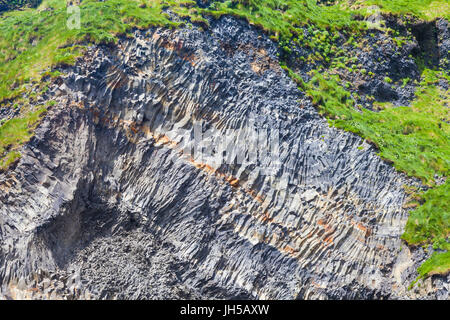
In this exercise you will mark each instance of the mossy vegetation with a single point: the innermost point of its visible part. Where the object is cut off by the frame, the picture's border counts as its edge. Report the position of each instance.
(14, 133)
(283, 19)
(6, 5)
(431, 220)
(35, 39)
(438, 263)
(414, 138)
(423, 9)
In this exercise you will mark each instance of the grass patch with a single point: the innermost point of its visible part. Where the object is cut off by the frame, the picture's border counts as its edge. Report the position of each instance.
(283, 18)
(431, 220)
(35, 39)
(439, 263)
(14, 133)
(415, 139)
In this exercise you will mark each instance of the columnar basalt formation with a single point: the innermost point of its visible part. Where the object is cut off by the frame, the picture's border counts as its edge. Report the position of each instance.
(110, 199)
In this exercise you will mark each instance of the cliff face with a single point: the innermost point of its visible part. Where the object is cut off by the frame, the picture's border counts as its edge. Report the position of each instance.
(115, 198)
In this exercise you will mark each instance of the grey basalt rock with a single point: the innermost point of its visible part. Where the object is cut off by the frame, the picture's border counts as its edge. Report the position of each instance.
(107, 203)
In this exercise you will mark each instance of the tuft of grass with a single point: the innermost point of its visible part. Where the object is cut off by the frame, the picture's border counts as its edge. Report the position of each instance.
(439, 263)
(415, 138)
(14, 133)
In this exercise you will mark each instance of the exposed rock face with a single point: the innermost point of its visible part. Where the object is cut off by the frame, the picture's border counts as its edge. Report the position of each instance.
(110, 200)
(444, 42)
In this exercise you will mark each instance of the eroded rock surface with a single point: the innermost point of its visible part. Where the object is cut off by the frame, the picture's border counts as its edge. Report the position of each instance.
(110, 199)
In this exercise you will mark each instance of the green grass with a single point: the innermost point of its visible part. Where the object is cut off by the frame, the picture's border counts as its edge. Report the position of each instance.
(423, 9)
(35, 39)
(15, 4)
(438, 263)
(414, 138)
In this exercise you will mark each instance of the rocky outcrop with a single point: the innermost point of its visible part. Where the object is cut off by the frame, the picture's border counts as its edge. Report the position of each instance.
(444, 43)
(186, 164)
(6, 5)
